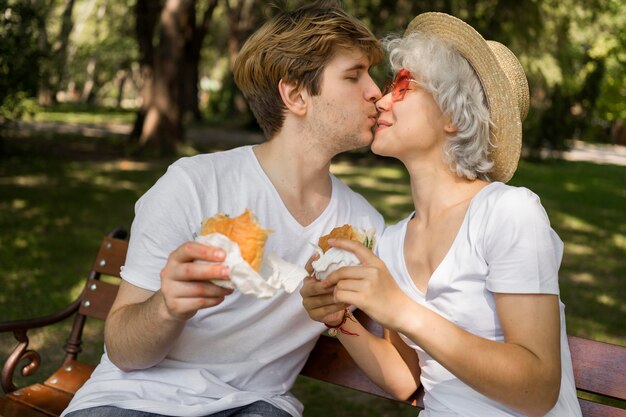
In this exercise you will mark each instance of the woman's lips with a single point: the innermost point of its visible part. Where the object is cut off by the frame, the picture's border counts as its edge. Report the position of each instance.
(382, 124)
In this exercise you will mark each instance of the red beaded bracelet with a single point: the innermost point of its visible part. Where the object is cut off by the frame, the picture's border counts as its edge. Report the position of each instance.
(332, 330)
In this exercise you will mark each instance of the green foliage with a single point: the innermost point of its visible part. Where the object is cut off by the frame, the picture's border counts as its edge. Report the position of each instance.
(572, 51)
(17, 105)
(104, 47)
(19, 57)
(576, 71)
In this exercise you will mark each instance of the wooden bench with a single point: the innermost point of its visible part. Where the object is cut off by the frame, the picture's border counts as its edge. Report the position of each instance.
(600, 368)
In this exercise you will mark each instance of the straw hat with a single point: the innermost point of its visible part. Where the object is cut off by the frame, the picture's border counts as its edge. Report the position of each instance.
(503, 81)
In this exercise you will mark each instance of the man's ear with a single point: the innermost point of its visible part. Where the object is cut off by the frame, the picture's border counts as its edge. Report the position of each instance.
(294, 97)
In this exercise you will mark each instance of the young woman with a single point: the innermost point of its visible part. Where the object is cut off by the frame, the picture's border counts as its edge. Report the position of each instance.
(467, 285)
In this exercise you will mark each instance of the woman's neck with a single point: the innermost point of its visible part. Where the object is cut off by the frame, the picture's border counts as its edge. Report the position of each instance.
(437, 189)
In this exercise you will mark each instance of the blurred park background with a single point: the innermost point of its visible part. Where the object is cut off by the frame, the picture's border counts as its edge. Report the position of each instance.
(97, 97)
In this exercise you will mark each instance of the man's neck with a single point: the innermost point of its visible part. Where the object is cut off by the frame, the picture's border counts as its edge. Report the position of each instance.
(300, 175)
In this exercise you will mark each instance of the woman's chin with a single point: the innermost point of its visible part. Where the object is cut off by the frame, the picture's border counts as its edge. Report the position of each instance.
(378, 148)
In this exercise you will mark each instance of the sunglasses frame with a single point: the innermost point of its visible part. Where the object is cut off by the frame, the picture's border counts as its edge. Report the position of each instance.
(398, 86)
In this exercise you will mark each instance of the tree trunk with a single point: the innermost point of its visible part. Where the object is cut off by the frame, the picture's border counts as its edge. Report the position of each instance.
(89, 89)
(194, 40)
(163, 125)
(60, 49)
(242, 20)
(122, 77)
(146, 14)
(44, 93)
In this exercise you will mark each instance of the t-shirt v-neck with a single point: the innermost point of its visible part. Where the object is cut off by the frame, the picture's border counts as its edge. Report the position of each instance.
(440, 269)
(285, 211)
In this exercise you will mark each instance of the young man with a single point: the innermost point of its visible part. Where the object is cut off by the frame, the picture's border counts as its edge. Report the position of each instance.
(179, 345)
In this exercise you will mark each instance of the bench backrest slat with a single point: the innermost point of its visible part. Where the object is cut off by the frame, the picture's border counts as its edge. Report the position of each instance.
(599, 367)
(98, 299)
(98, 295)
(110, 257)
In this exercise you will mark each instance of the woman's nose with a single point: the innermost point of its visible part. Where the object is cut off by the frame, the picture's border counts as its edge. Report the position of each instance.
(384, 103)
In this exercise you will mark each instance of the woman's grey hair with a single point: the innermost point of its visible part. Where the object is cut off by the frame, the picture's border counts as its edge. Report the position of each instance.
(454, 85)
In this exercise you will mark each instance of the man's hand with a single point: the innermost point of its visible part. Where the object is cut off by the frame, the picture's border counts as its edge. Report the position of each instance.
(186, 285)
(319, 300)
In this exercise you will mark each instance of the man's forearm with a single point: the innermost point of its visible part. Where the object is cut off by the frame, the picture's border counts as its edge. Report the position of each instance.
(138, 336)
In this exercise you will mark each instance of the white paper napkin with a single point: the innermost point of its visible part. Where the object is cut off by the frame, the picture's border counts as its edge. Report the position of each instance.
(275, 273)
(333, 259)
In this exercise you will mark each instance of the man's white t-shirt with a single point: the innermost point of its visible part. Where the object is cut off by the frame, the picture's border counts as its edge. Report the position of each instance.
(245, 349)
(505, 245)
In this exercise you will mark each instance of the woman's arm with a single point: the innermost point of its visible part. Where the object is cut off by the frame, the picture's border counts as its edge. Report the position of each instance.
(523, 372)
(387, 361)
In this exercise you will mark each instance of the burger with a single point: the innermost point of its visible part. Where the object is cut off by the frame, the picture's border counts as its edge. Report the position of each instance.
(366, 237)
(244, 230)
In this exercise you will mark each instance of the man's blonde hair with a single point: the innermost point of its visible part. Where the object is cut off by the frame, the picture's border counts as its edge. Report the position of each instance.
(295, 47)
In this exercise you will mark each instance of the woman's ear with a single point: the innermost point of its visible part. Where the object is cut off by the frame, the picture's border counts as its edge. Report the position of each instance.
(294, 97)
(450, 127)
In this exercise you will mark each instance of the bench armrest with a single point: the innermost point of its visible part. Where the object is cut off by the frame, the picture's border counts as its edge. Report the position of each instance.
(20, 352)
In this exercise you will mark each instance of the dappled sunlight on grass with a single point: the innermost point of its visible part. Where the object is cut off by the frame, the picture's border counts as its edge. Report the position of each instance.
(20, 243)
(18, 204)
(54, 204)
(619, 240)
(393, 172)
(578, 249)
(575, 223)
(573, 187)
(589, 327)
(127, 165)
(76, 289)
(607, 300)
(582, 278)
(27, 181)
(385, 187)
(102, 181)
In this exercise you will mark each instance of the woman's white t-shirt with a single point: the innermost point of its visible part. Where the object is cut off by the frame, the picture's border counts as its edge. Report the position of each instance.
(244, 349)
(505, 245)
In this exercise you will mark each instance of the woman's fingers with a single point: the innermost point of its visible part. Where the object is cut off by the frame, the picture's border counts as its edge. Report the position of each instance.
(356, 272)
(364, 255)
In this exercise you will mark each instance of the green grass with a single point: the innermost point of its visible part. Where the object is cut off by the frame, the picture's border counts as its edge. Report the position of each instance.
(84, 114)
(60, 194)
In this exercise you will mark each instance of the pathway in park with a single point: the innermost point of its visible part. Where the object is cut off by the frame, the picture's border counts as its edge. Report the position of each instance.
(580, 151)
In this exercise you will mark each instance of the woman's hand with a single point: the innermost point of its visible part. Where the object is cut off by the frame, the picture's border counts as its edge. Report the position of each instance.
(370, 286)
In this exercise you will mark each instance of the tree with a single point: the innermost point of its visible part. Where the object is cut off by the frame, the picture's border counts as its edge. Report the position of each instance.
(20, 57)
(169, 70)
(194, 41)
(163, 126)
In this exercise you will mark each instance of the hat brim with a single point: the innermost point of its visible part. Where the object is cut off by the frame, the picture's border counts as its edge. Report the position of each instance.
(506, 129)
